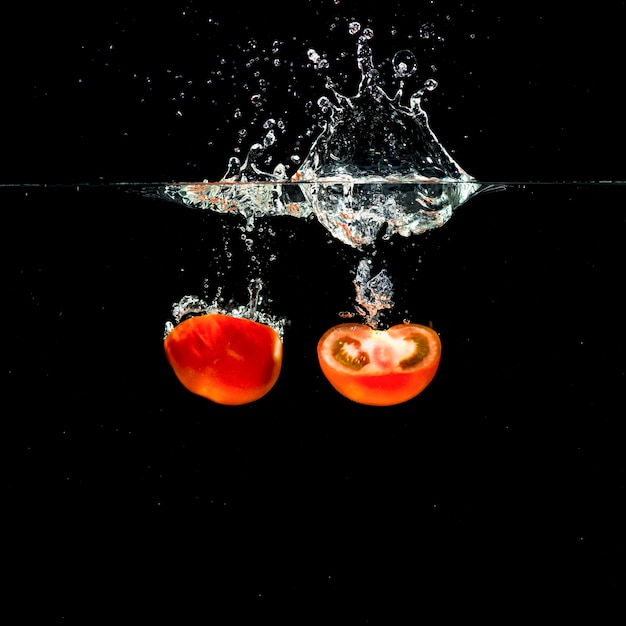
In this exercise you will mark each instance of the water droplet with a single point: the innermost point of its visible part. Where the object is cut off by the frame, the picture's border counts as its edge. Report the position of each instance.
(427, 30)
(316, 58)
(313, 55)
(269, 139)
(324, 103)
(354, 28)
(404, 63)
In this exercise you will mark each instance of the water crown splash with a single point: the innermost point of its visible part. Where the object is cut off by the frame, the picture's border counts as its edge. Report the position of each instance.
(376, 168)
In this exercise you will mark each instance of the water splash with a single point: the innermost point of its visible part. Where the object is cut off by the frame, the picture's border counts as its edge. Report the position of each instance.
(192, 306)
(376, 168)
(374, 294)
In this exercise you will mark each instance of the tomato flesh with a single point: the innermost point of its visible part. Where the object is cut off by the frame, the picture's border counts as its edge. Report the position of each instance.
(226, 359)
(379, 367)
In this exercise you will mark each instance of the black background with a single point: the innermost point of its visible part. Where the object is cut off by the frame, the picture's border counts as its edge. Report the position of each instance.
(501, 486)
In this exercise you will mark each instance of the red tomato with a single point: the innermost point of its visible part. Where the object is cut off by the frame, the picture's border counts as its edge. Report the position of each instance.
(379, 367)
(226, 359)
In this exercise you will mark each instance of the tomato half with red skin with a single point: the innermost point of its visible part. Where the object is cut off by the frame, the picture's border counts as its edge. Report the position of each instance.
(226, 359)
(379, 367)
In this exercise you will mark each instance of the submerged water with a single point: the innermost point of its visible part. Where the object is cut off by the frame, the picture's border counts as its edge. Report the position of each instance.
(222, 264)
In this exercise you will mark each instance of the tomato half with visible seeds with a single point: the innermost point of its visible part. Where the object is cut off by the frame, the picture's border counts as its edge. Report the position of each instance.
(226, 359)
(379, 367)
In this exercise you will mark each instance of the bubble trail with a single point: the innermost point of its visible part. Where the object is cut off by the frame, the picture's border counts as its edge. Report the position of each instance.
(374, 294)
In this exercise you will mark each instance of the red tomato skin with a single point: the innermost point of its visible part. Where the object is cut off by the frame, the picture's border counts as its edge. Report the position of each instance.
(385, 389)
(228, 360)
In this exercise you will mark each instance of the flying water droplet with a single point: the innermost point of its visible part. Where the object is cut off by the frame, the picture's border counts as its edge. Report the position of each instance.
(313, 55)
(404, 63)
(427, 30)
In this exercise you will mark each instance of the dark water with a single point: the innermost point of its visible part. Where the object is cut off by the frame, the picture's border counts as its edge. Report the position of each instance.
(126, 495)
